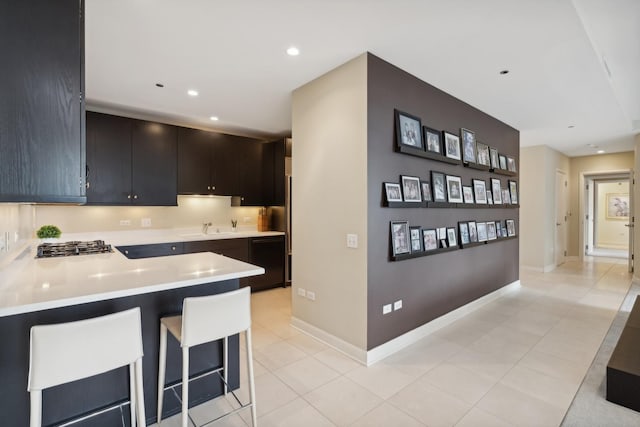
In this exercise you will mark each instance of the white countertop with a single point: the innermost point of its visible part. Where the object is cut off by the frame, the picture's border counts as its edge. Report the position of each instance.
(28, 284)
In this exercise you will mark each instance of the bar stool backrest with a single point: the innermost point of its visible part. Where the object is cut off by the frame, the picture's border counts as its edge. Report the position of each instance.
(70, 351)
(210, 318)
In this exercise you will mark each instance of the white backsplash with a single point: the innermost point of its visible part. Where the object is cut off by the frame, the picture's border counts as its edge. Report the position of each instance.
(191, 212)
(16, 227)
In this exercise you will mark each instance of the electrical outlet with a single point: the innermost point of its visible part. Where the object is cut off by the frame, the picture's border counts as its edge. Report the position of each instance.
(397, 305)
(352, 241)
(302, 292)
(125, 222)
(145, 222)
(311, 295)
(386, 309)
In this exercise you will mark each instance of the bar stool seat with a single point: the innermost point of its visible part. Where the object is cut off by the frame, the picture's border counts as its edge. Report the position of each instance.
(66, 352)
(207, 319)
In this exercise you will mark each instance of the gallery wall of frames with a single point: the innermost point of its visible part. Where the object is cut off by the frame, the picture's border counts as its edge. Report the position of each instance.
(443, 202)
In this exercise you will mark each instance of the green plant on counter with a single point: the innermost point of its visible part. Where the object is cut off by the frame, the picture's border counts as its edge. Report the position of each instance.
(48, 231)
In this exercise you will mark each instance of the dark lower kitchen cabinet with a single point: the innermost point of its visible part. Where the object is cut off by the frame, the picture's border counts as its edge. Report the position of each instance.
(268, 253)
(42, 134)
(130, 162)
(152, 250)
(232, 248)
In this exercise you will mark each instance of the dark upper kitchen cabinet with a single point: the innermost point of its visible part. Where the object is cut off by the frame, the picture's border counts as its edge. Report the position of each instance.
(130, 161)
(42, 135)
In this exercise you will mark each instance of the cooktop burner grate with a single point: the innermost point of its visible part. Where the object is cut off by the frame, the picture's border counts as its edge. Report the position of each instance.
(49, 250)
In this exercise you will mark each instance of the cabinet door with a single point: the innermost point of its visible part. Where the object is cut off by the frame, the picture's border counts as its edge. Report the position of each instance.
(224, 166)
(250, 172)
(42, 139)
(151, 251)
(194, 161)
(268, 253)
(108, 159)
(154, 150)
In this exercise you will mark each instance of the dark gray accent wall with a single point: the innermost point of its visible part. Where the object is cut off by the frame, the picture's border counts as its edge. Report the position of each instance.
(433, 285)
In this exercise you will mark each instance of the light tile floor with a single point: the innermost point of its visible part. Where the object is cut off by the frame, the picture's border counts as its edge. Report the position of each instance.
(517, 361)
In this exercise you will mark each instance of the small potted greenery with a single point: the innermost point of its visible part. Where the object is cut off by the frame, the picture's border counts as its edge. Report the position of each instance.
(48, 233)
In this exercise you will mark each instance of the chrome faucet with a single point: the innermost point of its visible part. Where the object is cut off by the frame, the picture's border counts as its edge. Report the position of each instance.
(205, 227)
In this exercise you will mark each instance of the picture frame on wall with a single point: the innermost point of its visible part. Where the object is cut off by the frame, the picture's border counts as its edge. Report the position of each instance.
(473, 231)
(426, 191)
(400, 237)
(451, 145)
(451, 237)
(408, 130)
(617, 206)
(511, 227)
(491, 230)
(483, 154)
(496, 189)
(480, 191)
(506, 197)
(468, 145)
(467, 193)
(433, 141)
(392, 191)
(513, 192)
(439, 186)
(495, 159)
(442, 237)
(511, 164)
(489, 197)
(503, 162)
(429, 239)
(464, 233)
(482, 231)
(411, 190)
(454, 189)
(415, 233)
(499, 229)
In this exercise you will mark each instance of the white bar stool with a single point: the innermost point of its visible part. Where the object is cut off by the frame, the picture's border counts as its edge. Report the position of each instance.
(206, 319)
(66, 352)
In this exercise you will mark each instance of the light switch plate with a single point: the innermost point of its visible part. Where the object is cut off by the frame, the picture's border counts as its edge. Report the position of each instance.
(145, 222)
(352, 241)
(397, 305)
(386, 309)
(302, 292)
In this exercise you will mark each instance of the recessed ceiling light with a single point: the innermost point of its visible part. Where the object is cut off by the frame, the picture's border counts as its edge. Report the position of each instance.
(600, 151)
(571, 126)
(192, 92)
(214, 118)
(159, 85)
(293, 51)
(503, 72)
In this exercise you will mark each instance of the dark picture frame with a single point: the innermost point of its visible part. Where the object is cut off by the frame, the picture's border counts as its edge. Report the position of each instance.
(496, 189)
(439, 186)
(503, 162)
(454, 189)
(429, 239)
(506, 196)
(432, 140)
(511, 164)
(483, 154)
(468, 145)
(513, 191)
(400, 242)
(408, 130)
(473, 231)
(489, 197)
(411, 191)
(482, 231)
(426, 191)
(467, 193)
(451, 145)
(452, 238)
(464, 233)
(495, 159)
(479, 191)
(491, 231)
(511, 227)
(415, 233)
(393, 192)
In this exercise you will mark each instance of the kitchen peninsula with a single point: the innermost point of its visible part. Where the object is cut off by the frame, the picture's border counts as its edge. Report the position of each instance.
(52, 290)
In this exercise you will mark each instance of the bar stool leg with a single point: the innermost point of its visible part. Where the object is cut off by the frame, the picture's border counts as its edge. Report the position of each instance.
(162, 361)
(185, 386)
(252, 388)
(132, 394)
(225, 360)
(36, 408)
(142, 422)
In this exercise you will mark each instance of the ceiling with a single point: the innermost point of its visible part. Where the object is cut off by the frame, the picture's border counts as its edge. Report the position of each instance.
(574, 66)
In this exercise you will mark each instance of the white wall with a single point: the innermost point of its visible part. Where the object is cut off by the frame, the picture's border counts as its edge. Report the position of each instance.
(329, 200)
(610, 233)
(16, 227)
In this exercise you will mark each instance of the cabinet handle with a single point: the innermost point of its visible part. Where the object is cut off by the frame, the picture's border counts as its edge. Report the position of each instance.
(213, 187)
(135, 196)
(208, 187)
(173, 248)
(128, 196)
(126, 252)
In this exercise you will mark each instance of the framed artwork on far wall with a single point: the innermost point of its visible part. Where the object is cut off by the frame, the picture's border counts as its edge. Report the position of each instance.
(496, 189)
(467, 192)
(483, 154)
(400, 237)
(503, 162)
(482, 232)
(393, 192)
(473, 231)
(480, 191)
(511, 164)
(426, 191)
(495, 160)
(464, 233)
(618, 206)
(513, 191)
(432, 140)
(408, 130)
(411, 188)
(439, 187)
(491, 230)
(454, 189)
(429, 239)
(468, 145)
(415, 233)
(451, 237)
(511, 227)
(506, 196)
(451, 145)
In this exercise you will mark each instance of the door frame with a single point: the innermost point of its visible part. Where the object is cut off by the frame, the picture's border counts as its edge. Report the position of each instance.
(560, 254)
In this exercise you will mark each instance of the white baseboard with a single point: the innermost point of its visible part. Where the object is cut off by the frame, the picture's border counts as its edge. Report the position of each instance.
(549, 267)
(376, 354)
(531, 268)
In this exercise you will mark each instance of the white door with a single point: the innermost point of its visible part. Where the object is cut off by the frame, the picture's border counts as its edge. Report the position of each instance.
(560, 247)
(632, 185)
